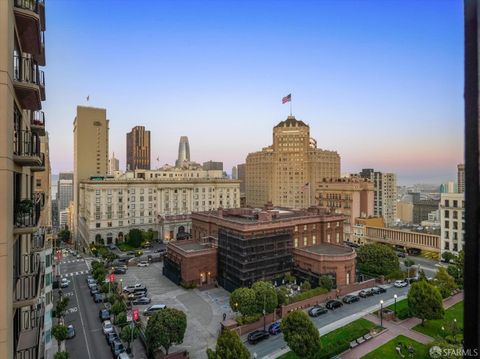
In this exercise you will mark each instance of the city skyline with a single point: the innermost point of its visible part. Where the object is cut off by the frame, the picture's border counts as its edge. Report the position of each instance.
(406, 121)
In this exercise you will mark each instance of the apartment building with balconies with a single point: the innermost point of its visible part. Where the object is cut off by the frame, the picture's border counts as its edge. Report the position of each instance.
(24, 221)
(452, 222)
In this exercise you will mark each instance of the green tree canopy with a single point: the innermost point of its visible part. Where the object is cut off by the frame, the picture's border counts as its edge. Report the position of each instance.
(301, 335)
(325, 281)
(229, 346)
(61, 307)
(448, 256)
(165, 328)
(60, 332)
(425, 301)
(128, 334)
(243, 300)
(445, 282)
(265, 296)
(305, 286)
(61, 355)
(282, 295)
(408, 262)
(289, 278)
(377, 259)
(135, 237)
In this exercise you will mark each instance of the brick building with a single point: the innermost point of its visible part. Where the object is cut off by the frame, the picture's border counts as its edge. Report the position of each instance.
(265, 244)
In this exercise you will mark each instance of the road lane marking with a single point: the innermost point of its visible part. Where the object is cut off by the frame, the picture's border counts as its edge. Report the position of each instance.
(81, 320)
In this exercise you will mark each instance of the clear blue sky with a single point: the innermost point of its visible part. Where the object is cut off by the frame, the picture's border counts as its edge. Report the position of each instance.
(381, 82)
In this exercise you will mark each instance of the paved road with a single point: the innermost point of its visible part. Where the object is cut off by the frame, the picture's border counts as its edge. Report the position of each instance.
(429, 266)
(329, 321)
(89, 341)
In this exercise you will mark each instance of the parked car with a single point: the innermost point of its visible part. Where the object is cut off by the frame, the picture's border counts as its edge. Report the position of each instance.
(142, 301)
(79, 256)
(153, 309)
(350, 298)
(64, 283)
(104, 314)
(136, 295)
(379, 290)
(143, 264)
(275, 328)
(99, 298)
(94, 290)
(134, 288)
(400, 284)
(257, 336)
(89, 278)
(120, 270)
(365, 293)
(161, 251)
(123, 355)
(70, 331)
(107, 327)
(333, 304)
(117, 347)
(92, 283)
(110, 337)
(401, 254)
(317, 310)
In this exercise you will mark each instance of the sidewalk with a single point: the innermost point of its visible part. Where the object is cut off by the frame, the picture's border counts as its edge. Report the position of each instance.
(394, 330)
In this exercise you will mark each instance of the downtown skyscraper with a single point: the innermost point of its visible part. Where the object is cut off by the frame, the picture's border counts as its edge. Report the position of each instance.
(138, 149)
(183, 152)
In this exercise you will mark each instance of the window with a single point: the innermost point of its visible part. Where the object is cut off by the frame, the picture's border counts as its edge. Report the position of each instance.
(304, 241)
(97, 200)
(455, 203)
(295, 242)
(296, 228)
(447, 214)
(455, 214)
(447, 224)
(314, 239)
(305, 227)
(97, 225)
(328, 225)
(109, 224)
(447, 203)
(338, 237)
(120, 223)
(97, 192)
(328, 237)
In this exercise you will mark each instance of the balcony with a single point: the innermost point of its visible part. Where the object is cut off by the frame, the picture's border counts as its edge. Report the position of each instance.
(39, 167)
(26, 148)
(26, 215)
(37, 122)
(38, 242)
(29, 82)
(30, 21)
(29, 283)
(28, 342)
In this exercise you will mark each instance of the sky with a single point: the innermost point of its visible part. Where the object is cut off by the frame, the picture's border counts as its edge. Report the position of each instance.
(380, 82)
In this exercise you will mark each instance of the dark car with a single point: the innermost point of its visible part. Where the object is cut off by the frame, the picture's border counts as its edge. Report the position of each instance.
(104, 315)
(378, 290)
(275, 328)
(317, 310)
(401, 254)
(120, 270)
(142, 300)
(117, 347)
(257, 336)
(349, 299)
(110, 337)
(94, 290)
(70, 331)
(99, 298)
(365, 293)
(333, 304)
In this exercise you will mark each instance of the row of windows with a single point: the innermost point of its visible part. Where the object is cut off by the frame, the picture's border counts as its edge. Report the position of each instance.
(151, 190)
(314, 226)
(314, 240)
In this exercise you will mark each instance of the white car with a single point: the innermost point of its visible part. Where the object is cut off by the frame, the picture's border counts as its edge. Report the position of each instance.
(400, 284)
(64, 283)
(143, 264)
(107, 327)
(134, 288)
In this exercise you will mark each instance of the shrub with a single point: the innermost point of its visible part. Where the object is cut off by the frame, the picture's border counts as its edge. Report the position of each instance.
(189, 285)
(309, 294)
(247, 319)
(121, 319)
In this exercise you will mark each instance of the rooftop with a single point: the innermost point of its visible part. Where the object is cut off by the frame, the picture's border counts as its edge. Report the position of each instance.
(291, 121)
(328, 249)
(191, 246)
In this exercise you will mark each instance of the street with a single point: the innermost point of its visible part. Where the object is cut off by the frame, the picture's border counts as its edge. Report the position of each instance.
(331, 320)
(89, 341)
(429, 266)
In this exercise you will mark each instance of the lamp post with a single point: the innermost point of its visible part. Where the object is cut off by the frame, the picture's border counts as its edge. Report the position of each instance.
(395, 298)
(264, 312)
(381, 313)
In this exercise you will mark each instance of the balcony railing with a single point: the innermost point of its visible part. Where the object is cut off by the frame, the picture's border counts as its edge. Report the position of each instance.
(26, 144)
(27, 212)
(28, 341)
(38, 242)
(31, 5)
(26, 70)
(29, 282)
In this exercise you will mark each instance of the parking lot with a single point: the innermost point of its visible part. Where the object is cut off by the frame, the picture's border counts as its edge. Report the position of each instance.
(204, 309)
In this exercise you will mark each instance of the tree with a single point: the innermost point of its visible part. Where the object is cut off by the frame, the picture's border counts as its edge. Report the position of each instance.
(121, 319)
(305, 286)
(165, 328)
(456, 269)
(265, 296)
(64, 235)
(61, 355)
(289, 278)
(425, 301)
(301, 335)
(377, 259)
(243, 300)
(282, 295)
(445, 282)
(229, 346)
(448, 257)
(128, 334)
(325, 281)
(117, 308)
(62, 305)
(60, 332)
(135, 237)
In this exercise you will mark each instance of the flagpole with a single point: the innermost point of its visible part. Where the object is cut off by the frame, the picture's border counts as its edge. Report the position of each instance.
(290, 105)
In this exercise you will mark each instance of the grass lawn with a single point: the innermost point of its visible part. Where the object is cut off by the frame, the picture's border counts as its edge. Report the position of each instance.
(433, 328)
(387, 350)
(125, 247)
(402, 309)
(339, 340)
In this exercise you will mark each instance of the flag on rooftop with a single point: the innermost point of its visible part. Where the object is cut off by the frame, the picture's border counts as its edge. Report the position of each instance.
(287, 98)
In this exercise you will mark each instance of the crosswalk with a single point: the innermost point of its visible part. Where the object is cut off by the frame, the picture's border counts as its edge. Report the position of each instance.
(72, 261)
(66, 275)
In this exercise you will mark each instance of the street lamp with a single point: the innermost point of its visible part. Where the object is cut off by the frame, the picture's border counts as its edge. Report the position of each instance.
(395, 298)
(381, 313)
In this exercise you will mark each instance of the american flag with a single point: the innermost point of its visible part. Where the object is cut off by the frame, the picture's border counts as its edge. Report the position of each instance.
(287, 98)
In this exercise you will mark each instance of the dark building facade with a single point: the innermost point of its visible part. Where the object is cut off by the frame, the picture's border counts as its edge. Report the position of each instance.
(138, 149)
(422, 207)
